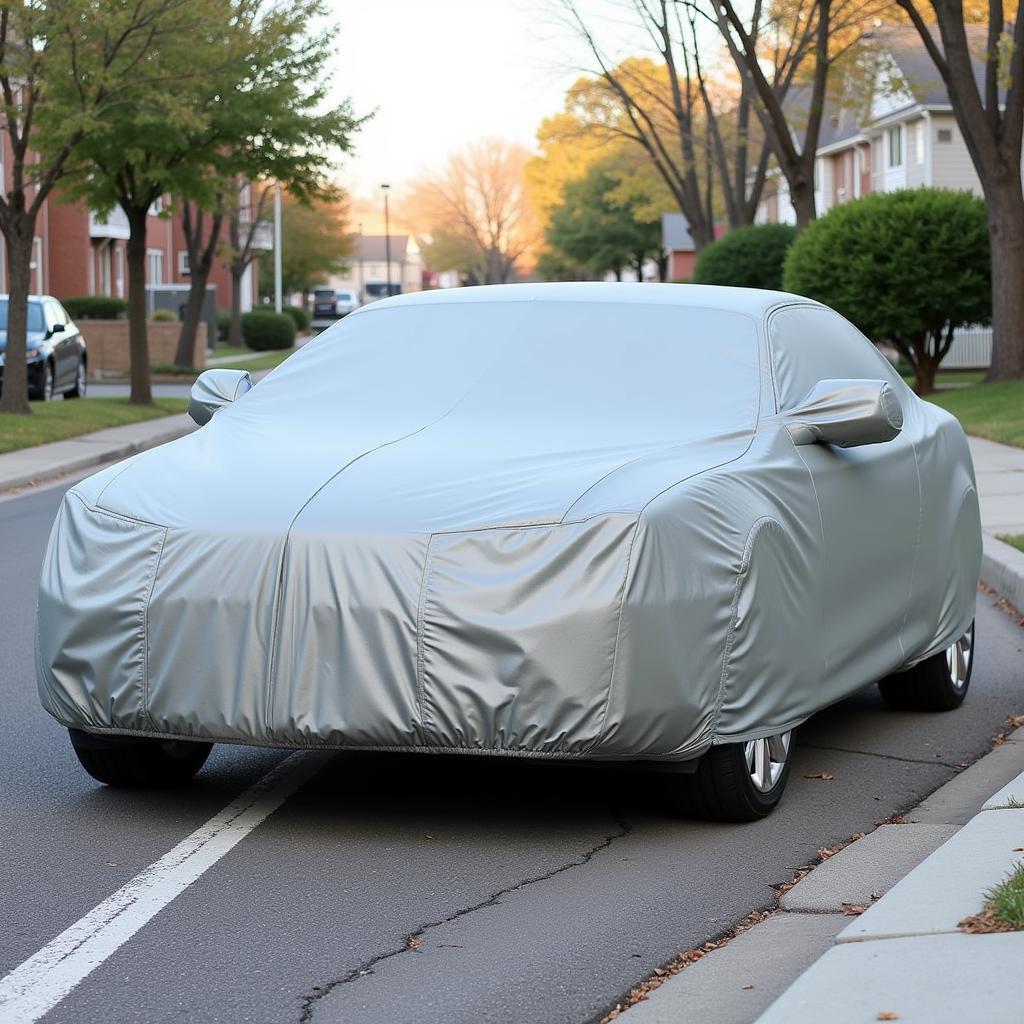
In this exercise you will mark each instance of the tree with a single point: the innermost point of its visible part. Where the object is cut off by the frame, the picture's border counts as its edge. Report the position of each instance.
(479, 212)
(674, 111)
(906, 267)
(245, 219)
(750, 257)
(315, 243)
(64, 65)
(989, 110)
(595, 230)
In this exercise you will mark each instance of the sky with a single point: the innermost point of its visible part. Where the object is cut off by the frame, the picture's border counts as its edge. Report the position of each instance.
(443, 73)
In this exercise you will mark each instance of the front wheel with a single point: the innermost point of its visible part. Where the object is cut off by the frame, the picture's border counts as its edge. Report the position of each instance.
(938, 683)
(735, 781)
(78, 388)
(130, 762)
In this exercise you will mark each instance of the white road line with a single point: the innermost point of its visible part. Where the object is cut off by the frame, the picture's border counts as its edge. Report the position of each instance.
(44, 979)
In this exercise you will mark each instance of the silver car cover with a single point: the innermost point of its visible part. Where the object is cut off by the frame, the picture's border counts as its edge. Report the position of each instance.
(546, 520)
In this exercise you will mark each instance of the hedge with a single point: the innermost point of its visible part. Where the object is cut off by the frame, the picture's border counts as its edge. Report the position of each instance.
(302, 317)
(263, 330)
(96, 307)
(750, 257)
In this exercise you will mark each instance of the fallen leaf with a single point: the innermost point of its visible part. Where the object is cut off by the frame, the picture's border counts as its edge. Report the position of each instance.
(876, 895)
(414, 942)
(428, 837)
(747, 988)
(827, 776)
(853, 909)
(1015, 721)
(887, 1015)
(1018, 849)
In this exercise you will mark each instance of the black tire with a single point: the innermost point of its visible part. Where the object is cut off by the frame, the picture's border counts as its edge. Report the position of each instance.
(137, 763)
(722, 788)
(938, 683)
(78, 388)
(46, 383)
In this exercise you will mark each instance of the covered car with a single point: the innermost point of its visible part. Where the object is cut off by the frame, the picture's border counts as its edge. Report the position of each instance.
(659, 524)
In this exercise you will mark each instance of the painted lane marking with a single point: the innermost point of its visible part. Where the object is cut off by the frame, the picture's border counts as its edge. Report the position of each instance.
(44, 979)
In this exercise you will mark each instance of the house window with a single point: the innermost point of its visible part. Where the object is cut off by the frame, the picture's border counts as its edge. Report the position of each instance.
(154, 266)
(118, 271)
(945, 135)
(919, 141)
(103, 260)
(183, 266)
(896, 146)
(156, 207)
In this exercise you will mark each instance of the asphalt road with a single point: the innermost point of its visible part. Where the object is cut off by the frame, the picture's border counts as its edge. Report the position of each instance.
(537, 892)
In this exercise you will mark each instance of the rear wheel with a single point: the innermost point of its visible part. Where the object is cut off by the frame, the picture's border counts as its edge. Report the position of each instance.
(130, 762)
(938, 683)
(46, 382)
(78, 389)
(735, 781)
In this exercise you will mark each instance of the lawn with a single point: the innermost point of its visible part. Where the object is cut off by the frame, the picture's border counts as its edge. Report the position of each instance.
(995, 411)
(1017, 540)
(55, 421)
(264, 361)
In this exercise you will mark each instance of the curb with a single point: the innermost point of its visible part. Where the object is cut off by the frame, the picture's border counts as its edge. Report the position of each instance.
(21, 468)
(1002, 568)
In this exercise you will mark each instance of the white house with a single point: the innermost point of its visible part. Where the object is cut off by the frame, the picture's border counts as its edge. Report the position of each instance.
(368, 274)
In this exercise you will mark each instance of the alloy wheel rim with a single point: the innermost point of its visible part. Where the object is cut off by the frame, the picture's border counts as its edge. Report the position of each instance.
(958, 659)
(766, 759)
(80, 379)
(47, 383)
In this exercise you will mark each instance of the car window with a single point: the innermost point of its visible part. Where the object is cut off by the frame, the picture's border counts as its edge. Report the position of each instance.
(53, 314)
(811, 343)
(345, 296)
(323, 293)
(35, 316)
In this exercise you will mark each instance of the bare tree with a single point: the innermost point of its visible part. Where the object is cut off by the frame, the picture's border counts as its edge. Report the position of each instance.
(990, 114)
(245, 217)
(478, 210)
(201, 243)
(691, 139)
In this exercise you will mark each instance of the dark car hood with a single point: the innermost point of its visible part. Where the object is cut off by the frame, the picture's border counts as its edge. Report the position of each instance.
(33, 339)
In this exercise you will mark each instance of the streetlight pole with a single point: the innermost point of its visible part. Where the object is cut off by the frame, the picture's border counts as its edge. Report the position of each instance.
(387, 238)
(362, 277)
(277, 248)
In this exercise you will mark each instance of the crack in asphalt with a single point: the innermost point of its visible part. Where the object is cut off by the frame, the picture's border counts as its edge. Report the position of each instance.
(886, 757)
(412, 940)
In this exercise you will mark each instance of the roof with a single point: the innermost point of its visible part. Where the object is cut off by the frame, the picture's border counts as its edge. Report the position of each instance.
(374, 247)
(675, 233)
(752, 301)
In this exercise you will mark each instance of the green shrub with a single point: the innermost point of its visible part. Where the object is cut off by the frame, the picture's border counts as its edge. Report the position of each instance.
(96, 307)
(750, 257)
(263, 329)
(302, 317)
(223, 323)
(906, 267)
(163, 316)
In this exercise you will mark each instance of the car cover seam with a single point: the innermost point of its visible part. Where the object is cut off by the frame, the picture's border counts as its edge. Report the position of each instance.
(421, 691)
(615, 649)
(144, 694)
(744, 568)
(917, 547)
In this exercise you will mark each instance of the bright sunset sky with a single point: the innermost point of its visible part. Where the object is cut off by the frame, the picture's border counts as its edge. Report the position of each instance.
(443, 73)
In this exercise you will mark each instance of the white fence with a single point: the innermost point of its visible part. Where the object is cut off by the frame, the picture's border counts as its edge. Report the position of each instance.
(971, 349)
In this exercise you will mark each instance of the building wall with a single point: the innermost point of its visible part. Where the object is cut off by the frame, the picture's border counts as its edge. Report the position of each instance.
(681, 265)
(952, 166)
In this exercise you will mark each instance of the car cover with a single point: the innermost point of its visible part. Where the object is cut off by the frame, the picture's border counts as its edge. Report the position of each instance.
(561, 520)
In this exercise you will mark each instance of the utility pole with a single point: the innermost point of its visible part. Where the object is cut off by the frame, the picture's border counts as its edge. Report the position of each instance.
(277, 247)
(387, 239)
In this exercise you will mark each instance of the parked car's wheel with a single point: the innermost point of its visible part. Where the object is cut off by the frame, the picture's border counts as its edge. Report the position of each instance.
(938, 683)
(78, 388)
(46, 382)
(735, 781)
(138, 762)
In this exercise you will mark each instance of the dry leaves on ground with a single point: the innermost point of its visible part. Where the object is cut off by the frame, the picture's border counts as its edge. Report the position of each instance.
(853, 909)
(827, 776)
(886, 1015)
(983, 924)
(413, 942)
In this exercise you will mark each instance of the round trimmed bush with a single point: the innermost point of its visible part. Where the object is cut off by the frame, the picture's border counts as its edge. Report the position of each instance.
(223, 323)
(750, 257)
(302, 317)
(263, 330)
(163, 316)
(906, 267)
(95, 307)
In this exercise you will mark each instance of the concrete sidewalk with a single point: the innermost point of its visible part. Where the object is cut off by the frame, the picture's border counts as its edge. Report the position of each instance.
(29, 466)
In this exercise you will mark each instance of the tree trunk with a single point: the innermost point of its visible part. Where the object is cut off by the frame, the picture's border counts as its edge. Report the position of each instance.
(1005, 204)
(14, 397)
(802, 197)
(235, 330)
(184, 354)
(138, 347)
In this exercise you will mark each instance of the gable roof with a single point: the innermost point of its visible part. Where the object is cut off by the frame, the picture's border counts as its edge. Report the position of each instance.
(675, 233)
(373, 248)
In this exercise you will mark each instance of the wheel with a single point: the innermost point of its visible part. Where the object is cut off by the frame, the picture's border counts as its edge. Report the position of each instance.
(125, 761)
(46, 385)
(938, 683)
(736, 781)
(78, 389)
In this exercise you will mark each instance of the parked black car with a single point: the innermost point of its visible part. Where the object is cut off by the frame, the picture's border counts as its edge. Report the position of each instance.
(57, 359)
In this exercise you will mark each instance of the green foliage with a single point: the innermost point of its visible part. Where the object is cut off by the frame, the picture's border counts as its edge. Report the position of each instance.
(163, 316)
(315, 244)
(597, 227)
(302, 317)
(749, 257)
(264, 330)
(95, 307)
(1005, 901)
(223, 323)
(906, 267)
